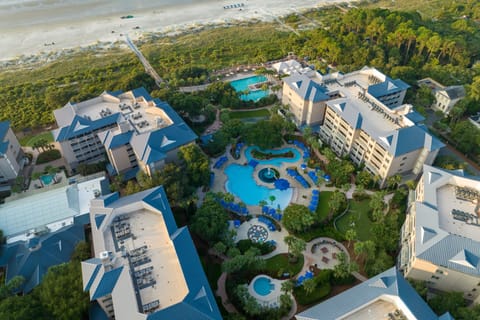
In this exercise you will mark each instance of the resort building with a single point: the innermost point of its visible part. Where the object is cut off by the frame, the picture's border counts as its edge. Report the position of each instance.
(475, 120)
(11, 155)
(42, 227)
(361, 114)
(144, 266)
(440, 239)
(291, 67)
(133, 130)
(385, 296)
(445, 97)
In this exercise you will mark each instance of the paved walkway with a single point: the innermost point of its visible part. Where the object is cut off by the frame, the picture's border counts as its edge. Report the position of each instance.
(293, 310)
(277, 236)
(217, 124)
(222, 293)
(322, 252)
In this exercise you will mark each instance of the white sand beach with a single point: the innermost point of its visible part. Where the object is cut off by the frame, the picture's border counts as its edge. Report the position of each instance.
(32, 27)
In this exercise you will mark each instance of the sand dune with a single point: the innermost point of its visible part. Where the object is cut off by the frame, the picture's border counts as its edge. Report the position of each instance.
(34, 27)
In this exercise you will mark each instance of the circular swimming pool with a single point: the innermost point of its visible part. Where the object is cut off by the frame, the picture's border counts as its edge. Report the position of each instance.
(263, 286)
(268, 175)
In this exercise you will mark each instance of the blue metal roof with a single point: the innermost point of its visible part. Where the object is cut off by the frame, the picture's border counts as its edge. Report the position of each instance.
(115, 93)
(118, 140)
(4, 126)
(96, 312)
(456, 253)
(4, 146)
(446, 316)
(92, 278)
(389, 282)
(99, 219)
(141, 92)
(153, 146)
(415, 117)
(389, 86)
(130, 174)
(54, 248)
(408, 139)
(306, 88)
(107, 283)
(80, 125)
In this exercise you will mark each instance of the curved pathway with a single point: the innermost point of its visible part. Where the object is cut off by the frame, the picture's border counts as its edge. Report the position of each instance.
(293, 310)
(222, 293)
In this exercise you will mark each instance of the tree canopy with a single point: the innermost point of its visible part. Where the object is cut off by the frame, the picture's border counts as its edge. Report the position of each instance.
(210, 220)
(297, 218)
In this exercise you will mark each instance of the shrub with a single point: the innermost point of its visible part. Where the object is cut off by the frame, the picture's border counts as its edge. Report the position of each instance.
(48, 156)
(244, 245)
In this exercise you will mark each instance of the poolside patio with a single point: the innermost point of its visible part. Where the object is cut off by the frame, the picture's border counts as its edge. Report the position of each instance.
(271, 300)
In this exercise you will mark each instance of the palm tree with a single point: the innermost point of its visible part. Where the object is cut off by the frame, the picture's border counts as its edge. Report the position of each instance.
(53, 172)
(262, 203)
(36, 176)
(272, 198)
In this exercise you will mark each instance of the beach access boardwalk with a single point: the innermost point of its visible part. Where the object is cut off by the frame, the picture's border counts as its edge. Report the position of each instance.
(148, 67)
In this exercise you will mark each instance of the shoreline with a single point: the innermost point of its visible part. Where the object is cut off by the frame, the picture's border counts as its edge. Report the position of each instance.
(50, 41)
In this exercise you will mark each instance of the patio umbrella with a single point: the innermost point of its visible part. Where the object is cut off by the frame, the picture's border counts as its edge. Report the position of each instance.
(281, 184)
(303, 166)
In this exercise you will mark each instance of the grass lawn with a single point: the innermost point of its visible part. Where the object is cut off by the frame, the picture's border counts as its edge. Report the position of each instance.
(280, 262)
(29, 140)
(212, 271)
(316, 296)
(249, 114)
(359, 213)
(322, 209)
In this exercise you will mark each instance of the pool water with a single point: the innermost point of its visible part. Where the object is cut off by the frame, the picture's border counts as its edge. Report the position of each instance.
(263, 286)
(241, 183)
(242, 85)
(46, 179)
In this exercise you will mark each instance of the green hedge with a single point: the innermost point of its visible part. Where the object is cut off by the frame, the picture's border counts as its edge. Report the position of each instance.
(48, 156)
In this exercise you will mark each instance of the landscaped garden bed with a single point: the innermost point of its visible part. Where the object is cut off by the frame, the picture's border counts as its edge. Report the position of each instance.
(257, 154)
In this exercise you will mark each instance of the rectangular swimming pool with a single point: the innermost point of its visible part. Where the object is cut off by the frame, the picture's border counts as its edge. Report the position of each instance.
(241, 85)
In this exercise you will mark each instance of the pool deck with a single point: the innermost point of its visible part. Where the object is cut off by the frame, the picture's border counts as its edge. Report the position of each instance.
(277, 236)
(271, 300)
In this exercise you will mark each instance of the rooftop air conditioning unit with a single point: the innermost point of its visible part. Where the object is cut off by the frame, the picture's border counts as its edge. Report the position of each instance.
(104, 255)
